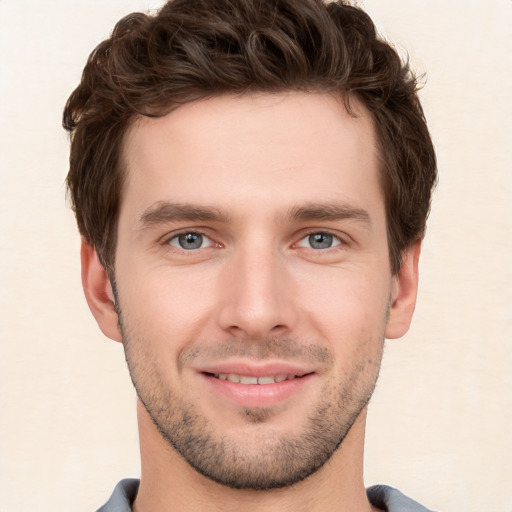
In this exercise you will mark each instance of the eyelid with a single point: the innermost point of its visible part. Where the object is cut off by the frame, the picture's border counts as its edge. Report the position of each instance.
(167, 239)
(341, 240)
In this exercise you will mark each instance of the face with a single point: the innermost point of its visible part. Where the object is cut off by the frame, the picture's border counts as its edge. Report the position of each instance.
(253, 282)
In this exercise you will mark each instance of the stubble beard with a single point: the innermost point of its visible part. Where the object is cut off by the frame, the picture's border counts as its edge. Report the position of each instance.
(268, 460)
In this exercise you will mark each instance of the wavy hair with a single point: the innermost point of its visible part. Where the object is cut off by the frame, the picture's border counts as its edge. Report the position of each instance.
(193, 49)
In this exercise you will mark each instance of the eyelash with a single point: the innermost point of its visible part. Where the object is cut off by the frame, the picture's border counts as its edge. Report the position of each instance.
(176, 237)
(336, 240)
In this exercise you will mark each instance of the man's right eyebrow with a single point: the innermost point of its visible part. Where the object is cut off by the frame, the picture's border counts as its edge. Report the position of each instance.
(164, 211)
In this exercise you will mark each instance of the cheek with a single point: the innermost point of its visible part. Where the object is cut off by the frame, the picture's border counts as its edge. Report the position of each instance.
(165, 306)
(347, 302)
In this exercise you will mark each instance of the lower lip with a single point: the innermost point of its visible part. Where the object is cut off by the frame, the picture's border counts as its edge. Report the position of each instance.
(257, 395)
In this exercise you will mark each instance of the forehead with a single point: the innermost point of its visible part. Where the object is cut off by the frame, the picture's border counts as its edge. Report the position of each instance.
(273, 150)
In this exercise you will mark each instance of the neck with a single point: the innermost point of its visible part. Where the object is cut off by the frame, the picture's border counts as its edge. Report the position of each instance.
(168, 483)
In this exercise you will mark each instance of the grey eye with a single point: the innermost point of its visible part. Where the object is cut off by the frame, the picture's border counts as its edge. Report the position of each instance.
(320, 240)
(188, 241)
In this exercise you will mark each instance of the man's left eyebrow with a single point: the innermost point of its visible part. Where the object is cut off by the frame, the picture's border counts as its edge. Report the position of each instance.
(328, 212)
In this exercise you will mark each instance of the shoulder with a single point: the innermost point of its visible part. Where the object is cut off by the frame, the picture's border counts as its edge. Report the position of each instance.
(392, 500)
(122, 497)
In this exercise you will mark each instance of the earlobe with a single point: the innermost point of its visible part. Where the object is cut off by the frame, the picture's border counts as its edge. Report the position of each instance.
(98, 292)
(403, 299)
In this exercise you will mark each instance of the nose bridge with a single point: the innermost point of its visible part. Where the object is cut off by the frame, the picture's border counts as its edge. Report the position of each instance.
(257, 296)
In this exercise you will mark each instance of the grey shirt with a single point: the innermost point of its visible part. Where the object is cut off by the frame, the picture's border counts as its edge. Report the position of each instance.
(381, 496)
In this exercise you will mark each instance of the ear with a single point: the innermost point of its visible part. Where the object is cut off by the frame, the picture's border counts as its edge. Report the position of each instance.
(403, 296)
(98, 292)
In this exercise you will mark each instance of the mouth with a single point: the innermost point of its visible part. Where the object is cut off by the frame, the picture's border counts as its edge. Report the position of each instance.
(257, 388)
(254, 380)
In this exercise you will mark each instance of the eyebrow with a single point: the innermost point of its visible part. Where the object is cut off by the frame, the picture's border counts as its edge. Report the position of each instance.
(163, 211)
(328, 212)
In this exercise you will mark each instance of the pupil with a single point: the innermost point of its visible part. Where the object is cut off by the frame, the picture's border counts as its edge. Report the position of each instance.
(320, 241)
(191, 241)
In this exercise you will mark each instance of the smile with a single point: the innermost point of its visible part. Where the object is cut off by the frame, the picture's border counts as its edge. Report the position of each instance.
(246, 379)
(257, 387)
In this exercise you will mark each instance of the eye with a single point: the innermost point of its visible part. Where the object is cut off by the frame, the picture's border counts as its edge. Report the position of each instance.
(319, 241)
(190, 241)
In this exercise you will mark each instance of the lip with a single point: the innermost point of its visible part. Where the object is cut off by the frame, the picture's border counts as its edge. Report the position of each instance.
(257, 369)
(256, 395)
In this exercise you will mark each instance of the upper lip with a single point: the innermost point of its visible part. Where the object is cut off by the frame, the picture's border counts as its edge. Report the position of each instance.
(257, 368)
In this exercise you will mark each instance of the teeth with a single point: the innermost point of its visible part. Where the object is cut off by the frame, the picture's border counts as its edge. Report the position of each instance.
(266, 380)
(247, 379)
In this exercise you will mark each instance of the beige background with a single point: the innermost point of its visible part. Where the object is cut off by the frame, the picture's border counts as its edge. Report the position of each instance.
(440, 423)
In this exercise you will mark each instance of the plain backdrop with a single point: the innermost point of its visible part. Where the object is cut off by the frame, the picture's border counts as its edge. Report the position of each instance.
(440, 421)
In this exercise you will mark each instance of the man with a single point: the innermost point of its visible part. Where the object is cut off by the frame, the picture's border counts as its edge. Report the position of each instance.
(251, 180)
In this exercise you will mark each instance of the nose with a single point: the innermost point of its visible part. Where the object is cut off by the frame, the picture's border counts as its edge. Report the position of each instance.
(257, 296)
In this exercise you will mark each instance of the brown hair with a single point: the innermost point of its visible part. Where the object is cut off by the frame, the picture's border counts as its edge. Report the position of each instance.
(194, 49)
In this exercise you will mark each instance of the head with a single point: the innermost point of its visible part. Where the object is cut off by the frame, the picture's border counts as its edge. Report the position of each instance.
(195, 49)
(255, 176)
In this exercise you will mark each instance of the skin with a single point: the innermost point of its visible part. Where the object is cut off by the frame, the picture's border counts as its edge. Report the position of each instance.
(255, 176)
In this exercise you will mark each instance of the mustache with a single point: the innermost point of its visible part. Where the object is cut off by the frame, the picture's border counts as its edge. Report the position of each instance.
(284, 348)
